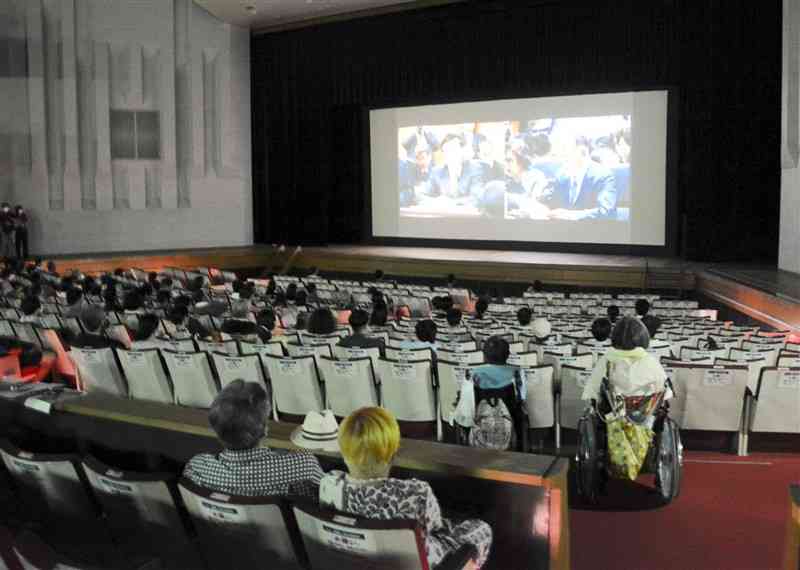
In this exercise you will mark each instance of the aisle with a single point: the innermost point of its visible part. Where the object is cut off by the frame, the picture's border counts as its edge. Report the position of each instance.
(731, 515)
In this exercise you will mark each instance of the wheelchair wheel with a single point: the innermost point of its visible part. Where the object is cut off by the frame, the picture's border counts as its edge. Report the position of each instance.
(669, 461)
(589, 475)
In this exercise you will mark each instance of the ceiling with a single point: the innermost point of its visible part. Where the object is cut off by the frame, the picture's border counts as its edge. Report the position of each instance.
(280, 14)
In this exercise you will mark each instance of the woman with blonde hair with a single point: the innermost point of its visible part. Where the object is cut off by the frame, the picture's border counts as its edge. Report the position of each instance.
(369, 439)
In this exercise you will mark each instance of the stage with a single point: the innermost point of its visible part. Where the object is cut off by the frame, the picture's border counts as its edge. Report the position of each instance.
(766, 294)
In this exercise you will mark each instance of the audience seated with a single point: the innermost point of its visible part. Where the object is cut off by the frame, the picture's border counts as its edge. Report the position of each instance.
(238, 416)
(601, 331)
(426, 336)
(524, 316)
(30, 308)
(542, 329)
(379, 316)
(642, 311)
(239, 325)
(93, 318)
(74, 303)
(481, 306)
(630, 369)
(359, 320)
(146, 335)
(613, 313)
(369, 439)
(322, 322)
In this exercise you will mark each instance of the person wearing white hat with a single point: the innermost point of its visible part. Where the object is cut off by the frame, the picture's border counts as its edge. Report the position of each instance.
(369, 438)
(541, 329)
(239, 415)
(319, 432)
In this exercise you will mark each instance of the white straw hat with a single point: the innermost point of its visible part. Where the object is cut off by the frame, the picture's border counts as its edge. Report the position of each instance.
(541, 327)
(319, 431)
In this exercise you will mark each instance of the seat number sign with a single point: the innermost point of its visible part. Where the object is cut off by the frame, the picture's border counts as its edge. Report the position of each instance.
(347, 539)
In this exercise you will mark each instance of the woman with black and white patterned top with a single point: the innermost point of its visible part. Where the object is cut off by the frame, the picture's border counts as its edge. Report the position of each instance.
(369, 438)
(239, 416)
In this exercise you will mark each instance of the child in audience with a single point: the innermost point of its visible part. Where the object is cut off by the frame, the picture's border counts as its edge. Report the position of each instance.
(238, 416)
(601, 331)
(613, 313)
(369, 438)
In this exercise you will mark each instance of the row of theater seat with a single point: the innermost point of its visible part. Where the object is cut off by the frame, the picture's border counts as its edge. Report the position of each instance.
(175, 520)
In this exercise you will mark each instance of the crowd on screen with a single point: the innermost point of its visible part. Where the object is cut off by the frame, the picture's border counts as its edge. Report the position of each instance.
(539, 169)
(368, 439)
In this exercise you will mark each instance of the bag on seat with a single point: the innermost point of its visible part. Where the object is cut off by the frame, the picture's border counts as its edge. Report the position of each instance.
(494, 427)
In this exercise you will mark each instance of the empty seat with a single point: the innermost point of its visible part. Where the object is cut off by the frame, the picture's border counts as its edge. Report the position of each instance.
(471, 357)
(525, 359)
(459, 346)
(450, 373)
(407, 389)
(572, 405)
(296, 350)
(335, 541)
(349, 353)
(296, 388)
(246, 367)
(139, 508)
(596, 350)
(242, 532)
(777, 401)
(349, 385)
(192, 380)
(98, 371)
(585, 360)
(147, 378)
(688, 353)
(539, 399)
(708, 397)
(178, 344)
(50, 484)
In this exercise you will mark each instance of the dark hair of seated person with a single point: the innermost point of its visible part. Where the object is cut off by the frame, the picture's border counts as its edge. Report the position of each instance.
(167, 282)
(66, 283)
(301, 323)
(538, 286)
(247, 291)
(311, 288)
(239, 415)
(196, 328)
(266, 319)
(630, 333)
(447, 303)
(358, 319)
(163, 297)
(148, 325)
(301, 298)
(652, 323)
(146, 290)
(182, 301)
(30, 305)
(280, 299)
(454, 317)
(291, 291)
(426, 331)
(524, 316)
(152, 277)
(601, 329)
(133, 301)
(496, 350)
(271, 287)
(613, 313)
(177, 315)
(380, 312)
(481, 307)
(642, 307)
(74, 295)
(119, 272)
(93, 317)
(321, 321)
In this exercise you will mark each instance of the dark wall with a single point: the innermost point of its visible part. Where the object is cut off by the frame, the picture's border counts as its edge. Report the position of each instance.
(723, 57)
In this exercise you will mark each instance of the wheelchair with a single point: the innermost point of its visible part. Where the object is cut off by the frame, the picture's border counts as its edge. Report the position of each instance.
(664, 457)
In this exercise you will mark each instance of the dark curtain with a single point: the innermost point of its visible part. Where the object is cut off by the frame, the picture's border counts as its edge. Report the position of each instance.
(723, 57)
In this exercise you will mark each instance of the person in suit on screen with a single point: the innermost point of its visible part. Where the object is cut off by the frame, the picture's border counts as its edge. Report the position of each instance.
(457, 177)
(583, 189)
(415, 168)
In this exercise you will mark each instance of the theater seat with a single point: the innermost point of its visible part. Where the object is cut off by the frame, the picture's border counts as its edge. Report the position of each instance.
(242, 532)
(335, 541)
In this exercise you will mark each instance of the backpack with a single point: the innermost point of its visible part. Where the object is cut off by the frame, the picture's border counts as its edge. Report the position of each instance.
(494, 428)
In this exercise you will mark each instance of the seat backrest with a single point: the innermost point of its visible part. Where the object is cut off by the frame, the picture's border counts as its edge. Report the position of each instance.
(525, 359)
(708, 397)
(139, 507)
(192, 379)
(459, 346)
(409, 354)
(349, 384)
(296, 388)
(562, 348)
(451, 373)
(777, 406)
(335, 541)
(6, 330)
(573, 381)
(98, 371)
(788, 360)
(178, 344)
(585, 360)
(147, 378)
(317, 351)
(539, 400)
(225, 347)
(753, 351)
(348, 353)
(660, 349)
(25, 332)
(241, 532)
(49, 480)
(407, 389)
(471, 357)
(596, 350)
(246, 367)
(273, 347)
(688, 353)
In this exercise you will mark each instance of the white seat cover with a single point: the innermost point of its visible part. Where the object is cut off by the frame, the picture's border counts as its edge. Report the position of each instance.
(147, 379)
(349, 384)
(295, 384)
(98, 371)
(192, 379)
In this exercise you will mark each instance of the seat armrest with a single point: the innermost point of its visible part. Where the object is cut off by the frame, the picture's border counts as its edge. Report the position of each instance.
(460, 559)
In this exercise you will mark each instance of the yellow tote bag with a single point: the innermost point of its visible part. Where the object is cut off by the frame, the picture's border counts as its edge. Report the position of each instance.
(628, 444)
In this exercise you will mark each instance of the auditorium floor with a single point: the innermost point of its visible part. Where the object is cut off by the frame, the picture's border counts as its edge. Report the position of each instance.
(731, 515)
